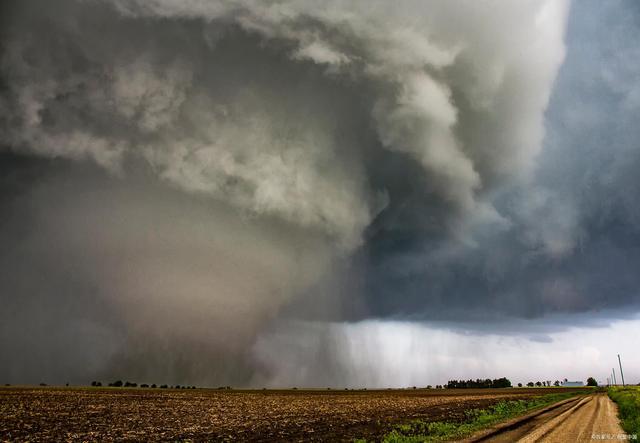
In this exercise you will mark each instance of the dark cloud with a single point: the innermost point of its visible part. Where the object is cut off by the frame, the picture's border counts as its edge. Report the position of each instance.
(180, 183)
(574, 238)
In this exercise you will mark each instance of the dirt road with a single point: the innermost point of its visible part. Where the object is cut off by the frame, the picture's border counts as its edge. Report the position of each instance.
(590, 418)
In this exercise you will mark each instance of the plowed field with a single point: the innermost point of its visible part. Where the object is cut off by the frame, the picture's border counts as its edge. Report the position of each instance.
(118, 414)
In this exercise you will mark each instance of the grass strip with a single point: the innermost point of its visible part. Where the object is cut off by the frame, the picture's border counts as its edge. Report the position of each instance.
(628, 400)
(476, 420)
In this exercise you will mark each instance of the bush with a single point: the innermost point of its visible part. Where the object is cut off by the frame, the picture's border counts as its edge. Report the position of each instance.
(116, 384)
(592, 382)
(153, 385)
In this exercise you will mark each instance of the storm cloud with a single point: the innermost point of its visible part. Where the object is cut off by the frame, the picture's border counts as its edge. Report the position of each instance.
(190, 187)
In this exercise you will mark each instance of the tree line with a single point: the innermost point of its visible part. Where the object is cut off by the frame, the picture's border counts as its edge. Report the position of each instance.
(128, 384)
(479, 383)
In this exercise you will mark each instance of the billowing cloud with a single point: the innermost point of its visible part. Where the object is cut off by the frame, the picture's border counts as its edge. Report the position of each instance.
(184, 177)
(466, 110)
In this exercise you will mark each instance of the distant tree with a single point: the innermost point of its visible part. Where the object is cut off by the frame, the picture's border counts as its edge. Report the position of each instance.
(592, 382)
(530, 384)
(429, 387)
(163, 386)
(538, 384)
(43, 384)
(556, 383)
(503, 382)
(519, 385)
(117, 383)
(144, 385)
(153, 385)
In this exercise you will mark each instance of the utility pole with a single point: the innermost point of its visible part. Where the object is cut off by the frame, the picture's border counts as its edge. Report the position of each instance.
(613, 371)
(621, 373)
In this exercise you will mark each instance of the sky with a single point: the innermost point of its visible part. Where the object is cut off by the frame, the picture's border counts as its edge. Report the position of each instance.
(275, 194)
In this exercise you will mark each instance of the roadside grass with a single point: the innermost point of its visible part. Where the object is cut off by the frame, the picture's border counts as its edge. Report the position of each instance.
(476, 419)
(628, 400)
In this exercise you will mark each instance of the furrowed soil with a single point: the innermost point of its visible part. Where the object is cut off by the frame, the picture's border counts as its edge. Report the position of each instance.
(121, 414)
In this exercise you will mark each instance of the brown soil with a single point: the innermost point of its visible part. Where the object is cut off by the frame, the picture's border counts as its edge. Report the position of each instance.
(108, 414)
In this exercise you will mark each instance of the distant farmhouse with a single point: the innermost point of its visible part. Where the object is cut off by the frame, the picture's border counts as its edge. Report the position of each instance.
(571, 384)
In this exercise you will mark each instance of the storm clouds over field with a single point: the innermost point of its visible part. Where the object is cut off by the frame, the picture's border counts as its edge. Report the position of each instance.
(274, 193)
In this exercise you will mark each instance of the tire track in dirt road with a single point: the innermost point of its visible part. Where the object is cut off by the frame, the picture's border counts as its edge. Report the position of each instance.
(590, 418)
